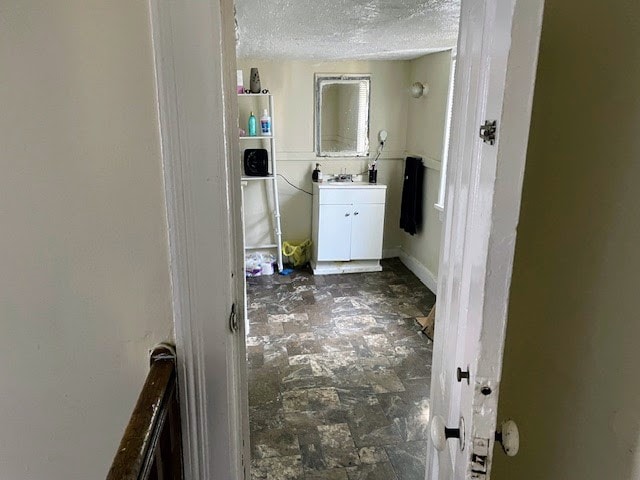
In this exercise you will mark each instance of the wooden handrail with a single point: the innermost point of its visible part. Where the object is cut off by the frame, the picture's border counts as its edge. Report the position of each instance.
(151, 447)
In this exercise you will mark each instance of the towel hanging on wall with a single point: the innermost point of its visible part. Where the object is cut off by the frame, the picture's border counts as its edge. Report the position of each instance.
(411, 208)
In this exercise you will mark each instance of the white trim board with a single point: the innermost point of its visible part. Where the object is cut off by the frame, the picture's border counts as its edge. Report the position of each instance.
(419, 270)
(286, 156)
(427, 161)
(353, 266)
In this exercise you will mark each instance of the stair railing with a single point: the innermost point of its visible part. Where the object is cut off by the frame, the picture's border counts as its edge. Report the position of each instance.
(151, 447)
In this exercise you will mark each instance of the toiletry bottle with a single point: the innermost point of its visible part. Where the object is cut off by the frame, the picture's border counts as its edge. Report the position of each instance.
(252, 125)
(373, 174)
(254, 81)
(239, 82)
(316, 173)
(265, 123)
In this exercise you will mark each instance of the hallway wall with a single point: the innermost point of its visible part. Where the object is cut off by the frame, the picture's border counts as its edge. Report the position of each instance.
(84, 290)
(570, 373)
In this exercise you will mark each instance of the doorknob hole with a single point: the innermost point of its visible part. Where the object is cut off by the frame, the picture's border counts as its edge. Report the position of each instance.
(485, 390)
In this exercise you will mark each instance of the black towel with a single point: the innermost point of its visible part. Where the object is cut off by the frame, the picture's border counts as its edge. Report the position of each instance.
(411, 209)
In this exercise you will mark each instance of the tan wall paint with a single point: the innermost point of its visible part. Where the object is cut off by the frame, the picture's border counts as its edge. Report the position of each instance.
(570, 371)
(84, 290)
(292, 83)
(425, 137)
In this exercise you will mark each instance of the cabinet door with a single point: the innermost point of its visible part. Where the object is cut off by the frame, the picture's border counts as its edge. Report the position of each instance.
(334, 232)
(366, 231)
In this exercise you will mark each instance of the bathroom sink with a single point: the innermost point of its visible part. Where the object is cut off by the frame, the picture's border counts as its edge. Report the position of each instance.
(346, 178)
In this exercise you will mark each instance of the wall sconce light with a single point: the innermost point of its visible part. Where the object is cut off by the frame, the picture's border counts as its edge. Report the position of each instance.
(419, 89)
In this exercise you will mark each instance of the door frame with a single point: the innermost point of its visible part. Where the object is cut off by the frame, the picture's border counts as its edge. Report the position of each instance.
(195, 62)
(195, 67)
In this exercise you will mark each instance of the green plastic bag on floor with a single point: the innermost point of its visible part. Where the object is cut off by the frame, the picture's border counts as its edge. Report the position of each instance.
(299, 254)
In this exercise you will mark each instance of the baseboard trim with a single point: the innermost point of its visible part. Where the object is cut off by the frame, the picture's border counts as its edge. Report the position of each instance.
(419, 270)
(353, 266)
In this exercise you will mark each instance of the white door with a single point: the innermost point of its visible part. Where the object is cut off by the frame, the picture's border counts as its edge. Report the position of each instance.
(366, 231)
(334, 232)
(496, 66)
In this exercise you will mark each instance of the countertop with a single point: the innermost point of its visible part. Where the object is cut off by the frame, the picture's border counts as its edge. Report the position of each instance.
(349, 185)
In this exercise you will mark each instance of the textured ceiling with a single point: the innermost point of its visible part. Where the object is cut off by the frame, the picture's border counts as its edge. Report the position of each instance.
(322, 30)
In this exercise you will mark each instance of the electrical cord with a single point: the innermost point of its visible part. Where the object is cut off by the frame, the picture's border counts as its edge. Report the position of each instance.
(309, 193)
(297, 188)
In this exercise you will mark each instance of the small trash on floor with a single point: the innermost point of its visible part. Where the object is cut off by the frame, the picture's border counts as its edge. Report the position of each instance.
(259, 263)
(286, 271)
(428, 323)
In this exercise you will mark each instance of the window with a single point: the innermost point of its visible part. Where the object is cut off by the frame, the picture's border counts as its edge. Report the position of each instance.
(447, 132)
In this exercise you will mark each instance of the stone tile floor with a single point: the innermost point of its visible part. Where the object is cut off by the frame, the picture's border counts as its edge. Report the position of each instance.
(338, 375)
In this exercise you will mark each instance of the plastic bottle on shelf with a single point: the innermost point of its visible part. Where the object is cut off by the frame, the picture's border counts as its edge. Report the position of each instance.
(252, 125)
(265, 123)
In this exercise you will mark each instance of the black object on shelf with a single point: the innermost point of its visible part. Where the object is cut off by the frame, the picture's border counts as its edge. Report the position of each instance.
(256, 162)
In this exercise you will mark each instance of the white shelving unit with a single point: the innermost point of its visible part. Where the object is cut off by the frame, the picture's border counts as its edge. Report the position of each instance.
(271, 179)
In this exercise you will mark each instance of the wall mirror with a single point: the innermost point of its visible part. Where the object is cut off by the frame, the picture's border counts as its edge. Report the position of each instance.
(342, 115)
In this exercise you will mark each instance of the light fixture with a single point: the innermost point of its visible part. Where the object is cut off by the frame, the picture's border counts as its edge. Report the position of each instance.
(418, 89)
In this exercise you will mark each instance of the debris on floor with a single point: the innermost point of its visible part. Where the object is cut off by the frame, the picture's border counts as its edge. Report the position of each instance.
(257, 264)
(428, 323)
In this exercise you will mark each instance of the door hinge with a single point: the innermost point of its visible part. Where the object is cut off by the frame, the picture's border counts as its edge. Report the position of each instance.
(488, 131)
(233, 319)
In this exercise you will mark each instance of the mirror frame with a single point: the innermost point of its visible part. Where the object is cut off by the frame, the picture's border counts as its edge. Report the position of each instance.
(319, 80)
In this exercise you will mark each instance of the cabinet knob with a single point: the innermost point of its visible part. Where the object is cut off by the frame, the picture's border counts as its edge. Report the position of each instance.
(347, 214)
(355, 213)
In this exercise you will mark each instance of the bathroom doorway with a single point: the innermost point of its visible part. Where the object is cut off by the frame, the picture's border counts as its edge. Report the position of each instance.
(194, 77)
(338, 367)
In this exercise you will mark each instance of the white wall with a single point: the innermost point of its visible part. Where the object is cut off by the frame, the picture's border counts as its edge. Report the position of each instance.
(292, 83)
(425, 137)
(572, 351)
(84, 290)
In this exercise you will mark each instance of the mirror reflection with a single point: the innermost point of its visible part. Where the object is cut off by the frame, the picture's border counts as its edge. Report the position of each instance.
(342, 115)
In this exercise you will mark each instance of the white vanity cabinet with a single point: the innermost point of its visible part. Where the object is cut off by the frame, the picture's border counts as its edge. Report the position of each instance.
(348, 224)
